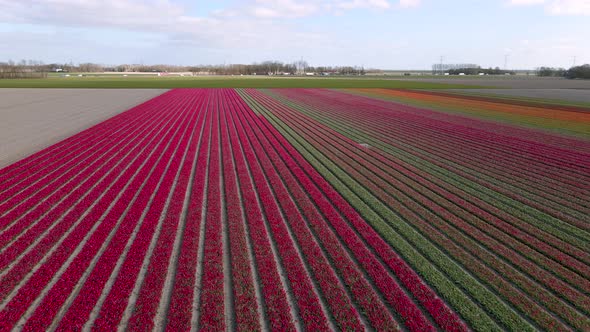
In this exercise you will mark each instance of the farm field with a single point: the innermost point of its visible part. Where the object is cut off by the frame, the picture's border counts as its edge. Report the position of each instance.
(556, 96)
(154, 82)
(536, 114)
(507, 82)
(32, 119)
(304, 209)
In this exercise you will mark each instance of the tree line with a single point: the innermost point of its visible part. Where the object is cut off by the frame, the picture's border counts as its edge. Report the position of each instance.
(479, 70)
(22, 69)
(263, 68)
(582, 71)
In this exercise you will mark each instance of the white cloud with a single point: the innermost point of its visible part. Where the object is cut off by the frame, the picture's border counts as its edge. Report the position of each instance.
(354, 4)
(525, 2)
(283, 8)
(557, 7)
(409, 3)
(569, 7)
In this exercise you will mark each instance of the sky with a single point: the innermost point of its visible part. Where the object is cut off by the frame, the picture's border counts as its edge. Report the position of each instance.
(385, 34)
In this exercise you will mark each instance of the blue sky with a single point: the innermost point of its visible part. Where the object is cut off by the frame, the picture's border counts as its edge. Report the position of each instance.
(389, 34)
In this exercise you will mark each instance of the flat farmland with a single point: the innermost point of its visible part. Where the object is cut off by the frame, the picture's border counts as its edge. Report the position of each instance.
(32, 119)
(581, 96)
(304, 209)
(507, 82)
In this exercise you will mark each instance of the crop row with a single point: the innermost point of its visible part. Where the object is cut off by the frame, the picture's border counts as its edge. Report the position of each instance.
(398, 143)
(304, 127)
(429, 137)
(128, 206)
(191, 211)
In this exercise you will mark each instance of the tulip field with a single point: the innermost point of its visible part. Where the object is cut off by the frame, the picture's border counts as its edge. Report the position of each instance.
(304, 210)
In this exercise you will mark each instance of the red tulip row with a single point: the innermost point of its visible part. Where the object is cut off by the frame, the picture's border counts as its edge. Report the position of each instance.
(53, 156)
(399, 190)
(412, 180)
(395, 141)
(443, 315)
(531, 141)
(150, 295)
(18, 196)
(428, 135)
(436, 304)
(54, 165)
(116, 301)
(212, 300)
(278, 209)
(28, 256)
(277, 309)
(92, 236)
(27, 229)
(454, 130)
(160, 182)
(244, 293)
(180, 310)
(343, 159)
(309, 197)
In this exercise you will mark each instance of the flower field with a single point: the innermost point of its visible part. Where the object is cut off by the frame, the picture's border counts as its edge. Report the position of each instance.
(303, 209)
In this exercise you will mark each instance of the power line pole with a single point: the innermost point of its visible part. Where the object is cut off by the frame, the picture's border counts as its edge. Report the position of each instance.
(441, 65)
(574, 63)
(505, 61)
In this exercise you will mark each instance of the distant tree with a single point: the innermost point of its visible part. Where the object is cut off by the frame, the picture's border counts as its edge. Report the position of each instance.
(579, 72)
(551, 72)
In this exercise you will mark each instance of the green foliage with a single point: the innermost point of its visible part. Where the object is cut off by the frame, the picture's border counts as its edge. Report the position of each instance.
(551, 72)
(579, 72)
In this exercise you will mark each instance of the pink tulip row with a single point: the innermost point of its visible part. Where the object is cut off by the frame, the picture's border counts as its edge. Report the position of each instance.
(132, 216)
(533, 141)
(54, 298)
(150, 294)
(300, 282)
(453, 131)
(212, 300)
(43, 216)
(419, 129)
(244, 293)
(116, 301)
(181, 299)
(276, 307)
(95, 190)
(397, 189)
(551, 282)
(395, 141)
(549, 183)
(440, 312)
(412, 181)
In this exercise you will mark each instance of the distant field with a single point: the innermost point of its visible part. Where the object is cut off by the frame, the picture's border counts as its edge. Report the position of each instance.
(556, 117)
(573, 97)
(506, 82)
(150, 82)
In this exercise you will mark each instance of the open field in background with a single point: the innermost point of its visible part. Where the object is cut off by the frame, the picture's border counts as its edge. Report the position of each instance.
(536, 114)
(32, 119)
(574, 97)
(309, 209)
(151, 82)
(507, 82)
